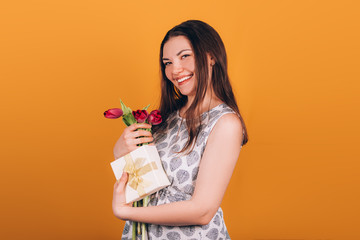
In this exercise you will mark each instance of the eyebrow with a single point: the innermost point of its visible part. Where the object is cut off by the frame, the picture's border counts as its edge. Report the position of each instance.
(178, 53)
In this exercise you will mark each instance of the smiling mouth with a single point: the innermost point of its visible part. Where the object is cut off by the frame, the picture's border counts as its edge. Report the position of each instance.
(183, 79)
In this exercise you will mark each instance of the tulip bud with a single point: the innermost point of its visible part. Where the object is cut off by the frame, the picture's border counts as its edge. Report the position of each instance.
(155, 117)
(140, 115)
(113, 113)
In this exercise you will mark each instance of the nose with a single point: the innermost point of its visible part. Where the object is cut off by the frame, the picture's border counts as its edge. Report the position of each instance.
(177, 67)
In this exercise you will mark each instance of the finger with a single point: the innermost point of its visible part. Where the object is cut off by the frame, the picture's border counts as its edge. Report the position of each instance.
(123, 178)
(135, 126)
(143, 140)
(142, 133)
(122, 181)
(132, 127)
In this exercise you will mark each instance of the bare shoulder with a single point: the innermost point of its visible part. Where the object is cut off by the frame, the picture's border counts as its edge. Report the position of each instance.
(229, 122)
(228, 127)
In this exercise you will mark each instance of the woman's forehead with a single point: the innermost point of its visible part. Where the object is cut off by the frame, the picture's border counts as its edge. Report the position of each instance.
(176, 44)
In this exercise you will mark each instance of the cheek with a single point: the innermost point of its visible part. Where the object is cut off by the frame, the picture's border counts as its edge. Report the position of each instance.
(168, 73)
(190, 64)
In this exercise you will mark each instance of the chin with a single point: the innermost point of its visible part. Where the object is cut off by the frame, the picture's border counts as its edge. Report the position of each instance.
(188, 93)
(188, 90)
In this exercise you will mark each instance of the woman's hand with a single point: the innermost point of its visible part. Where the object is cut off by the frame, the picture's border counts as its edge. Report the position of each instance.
(130, 138)
(119, 203)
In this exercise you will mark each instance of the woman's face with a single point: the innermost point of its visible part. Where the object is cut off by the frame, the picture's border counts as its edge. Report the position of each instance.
(179, 61)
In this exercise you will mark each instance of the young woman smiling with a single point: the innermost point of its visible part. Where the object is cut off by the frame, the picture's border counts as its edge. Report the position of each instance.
(199, 140)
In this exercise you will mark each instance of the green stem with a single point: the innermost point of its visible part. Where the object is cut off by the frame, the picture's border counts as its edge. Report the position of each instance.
(138, 225)
(143, 225)
(143, 231)
(137, 229)
(134, 226)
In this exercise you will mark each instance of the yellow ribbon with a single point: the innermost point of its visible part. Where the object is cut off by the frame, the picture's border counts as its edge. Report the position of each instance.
(136, 171)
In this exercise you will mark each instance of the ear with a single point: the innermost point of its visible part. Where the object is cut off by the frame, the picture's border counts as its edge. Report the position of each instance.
(210, 59)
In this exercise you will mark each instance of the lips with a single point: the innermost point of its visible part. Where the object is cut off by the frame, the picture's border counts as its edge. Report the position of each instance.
(183, 79)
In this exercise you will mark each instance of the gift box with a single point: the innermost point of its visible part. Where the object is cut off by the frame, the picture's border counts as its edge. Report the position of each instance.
(146, 174)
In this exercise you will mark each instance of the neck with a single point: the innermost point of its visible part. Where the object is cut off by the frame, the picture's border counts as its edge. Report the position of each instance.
(209, 101)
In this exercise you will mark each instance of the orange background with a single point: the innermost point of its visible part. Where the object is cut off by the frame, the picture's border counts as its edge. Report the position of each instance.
(293, 66)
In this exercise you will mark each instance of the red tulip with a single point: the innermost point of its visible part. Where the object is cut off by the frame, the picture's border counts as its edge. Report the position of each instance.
(140, 115)
(155, 117)
(113, 113)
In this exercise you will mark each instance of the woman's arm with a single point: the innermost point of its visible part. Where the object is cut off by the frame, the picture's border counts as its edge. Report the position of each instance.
(215, 170)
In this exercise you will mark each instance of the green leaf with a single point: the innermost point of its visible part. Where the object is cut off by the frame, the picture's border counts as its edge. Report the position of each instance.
(145, 108)
(128, 119)
(126, 110)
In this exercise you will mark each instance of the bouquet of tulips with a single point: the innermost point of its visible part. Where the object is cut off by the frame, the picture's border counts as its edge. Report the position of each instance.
(138, 116)
(135, 168)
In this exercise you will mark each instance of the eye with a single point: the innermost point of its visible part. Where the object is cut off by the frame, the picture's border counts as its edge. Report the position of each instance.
(185, 56)
(167, 63)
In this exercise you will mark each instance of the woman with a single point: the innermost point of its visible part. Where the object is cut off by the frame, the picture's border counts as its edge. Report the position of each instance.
(199, 140)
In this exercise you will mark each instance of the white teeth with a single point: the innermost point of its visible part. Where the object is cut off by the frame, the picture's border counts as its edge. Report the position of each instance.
(183, 79)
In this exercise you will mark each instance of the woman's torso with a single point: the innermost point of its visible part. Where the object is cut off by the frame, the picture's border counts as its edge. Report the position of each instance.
(182, 170)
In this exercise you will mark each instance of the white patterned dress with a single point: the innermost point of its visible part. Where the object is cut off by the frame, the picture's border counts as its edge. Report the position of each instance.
(182, 172)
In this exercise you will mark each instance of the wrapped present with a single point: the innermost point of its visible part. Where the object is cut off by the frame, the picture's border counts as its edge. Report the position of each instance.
(146, 174)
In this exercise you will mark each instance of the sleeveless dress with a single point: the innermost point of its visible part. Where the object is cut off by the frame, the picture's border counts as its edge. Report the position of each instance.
(182, 172)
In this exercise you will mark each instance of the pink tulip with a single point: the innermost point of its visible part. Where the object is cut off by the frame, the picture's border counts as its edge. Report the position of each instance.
(140, 115)
(113, 113)
(155, 117)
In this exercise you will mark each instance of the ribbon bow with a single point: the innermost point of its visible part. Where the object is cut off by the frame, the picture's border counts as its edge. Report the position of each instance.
(136, 171)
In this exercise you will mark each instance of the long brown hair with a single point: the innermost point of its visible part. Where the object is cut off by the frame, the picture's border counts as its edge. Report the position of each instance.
(204, 40)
